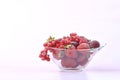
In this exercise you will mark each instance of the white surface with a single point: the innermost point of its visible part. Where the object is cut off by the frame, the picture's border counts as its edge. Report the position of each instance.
(25, 25)
(36, 73)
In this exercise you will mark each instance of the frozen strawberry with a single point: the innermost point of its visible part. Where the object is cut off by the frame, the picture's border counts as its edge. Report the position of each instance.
(71, 53)
(68, 63)
(94, 44)
(83, 46)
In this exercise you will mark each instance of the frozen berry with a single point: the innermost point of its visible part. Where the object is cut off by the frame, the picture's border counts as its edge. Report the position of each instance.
(71, 53)
(45, 44)
(68, 63)
(94, 44)
(73, 34)
(83, 46)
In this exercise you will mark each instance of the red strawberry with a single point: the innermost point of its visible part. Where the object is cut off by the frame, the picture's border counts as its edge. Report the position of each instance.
(83, 46)
(68, 63)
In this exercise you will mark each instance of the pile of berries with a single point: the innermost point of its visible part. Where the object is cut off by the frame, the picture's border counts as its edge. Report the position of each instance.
(72, 50)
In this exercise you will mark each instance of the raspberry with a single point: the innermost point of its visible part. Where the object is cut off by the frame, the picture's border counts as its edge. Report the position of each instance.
(57, 45)
(83, 46)
(68, 63)
(61, 46)
(47, 58)
(43, 55)
(73, 34)
(45, 44)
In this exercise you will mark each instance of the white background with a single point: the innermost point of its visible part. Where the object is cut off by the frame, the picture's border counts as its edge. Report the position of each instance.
(25, 25)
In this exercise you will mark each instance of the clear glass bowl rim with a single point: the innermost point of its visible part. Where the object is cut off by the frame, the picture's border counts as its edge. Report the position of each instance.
(92, 49)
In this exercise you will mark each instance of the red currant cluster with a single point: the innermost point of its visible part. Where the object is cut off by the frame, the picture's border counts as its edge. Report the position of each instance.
(72, 42)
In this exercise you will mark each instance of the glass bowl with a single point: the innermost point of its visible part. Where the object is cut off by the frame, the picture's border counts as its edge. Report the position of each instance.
(72, 59)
